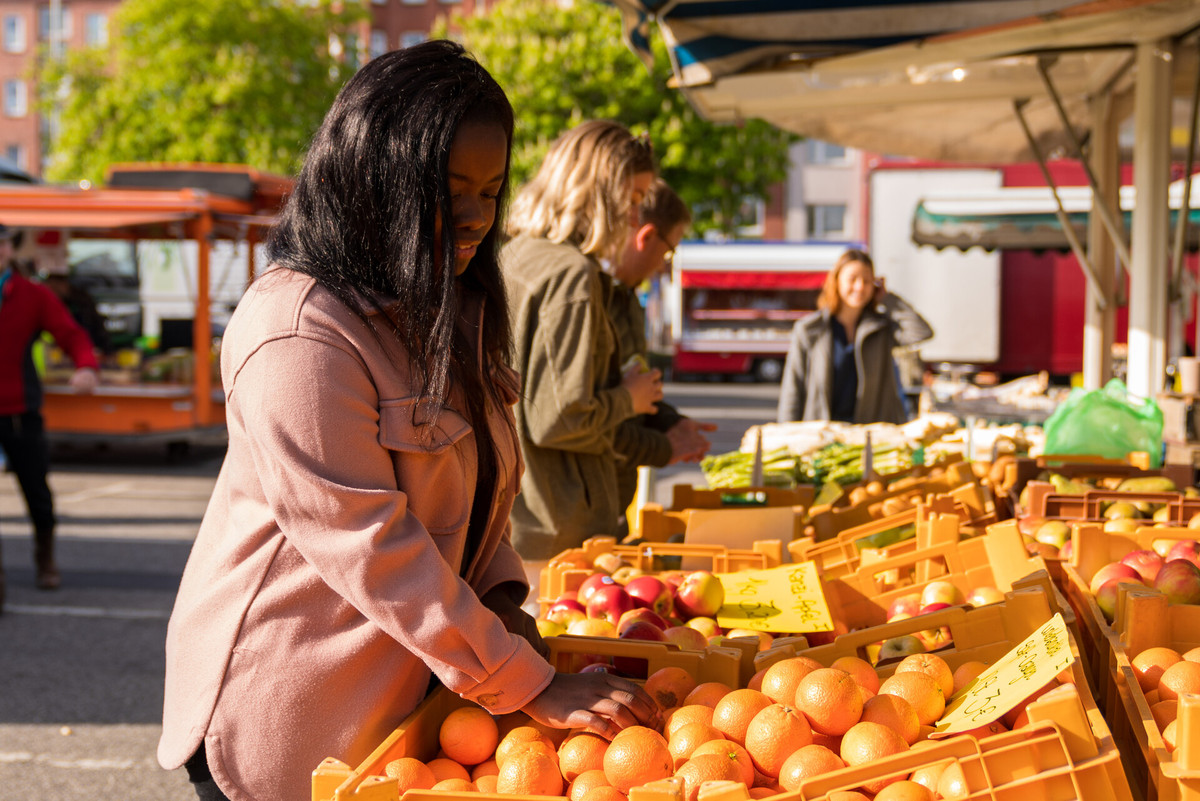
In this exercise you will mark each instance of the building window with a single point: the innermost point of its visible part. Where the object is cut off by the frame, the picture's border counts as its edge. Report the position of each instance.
(64, 17)
(14, 34)
(413, 2)
(826, 222)
(817, 152)
(95, 30)
(379, 2)
(15, 104)
(378, 43)
(16, 155)
(352, 48)
(410, 38)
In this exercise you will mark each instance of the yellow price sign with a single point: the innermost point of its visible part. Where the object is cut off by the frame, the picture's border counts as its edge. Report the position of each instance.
(787, 599)
(1018, 674)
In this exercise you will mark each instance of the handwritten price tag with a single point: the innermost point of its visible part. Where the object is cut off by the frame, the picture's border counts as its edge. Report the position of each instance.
(1017, 675)
(786, 599)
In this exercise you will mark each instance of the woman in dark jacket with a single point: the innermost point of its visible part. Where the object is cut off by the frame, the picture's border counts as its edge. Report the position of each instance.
(839, 363)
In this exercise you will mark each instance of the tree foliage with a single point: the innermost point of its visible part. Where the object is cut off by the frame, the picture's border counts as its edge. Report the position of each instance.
(234, 81)
(563, 63)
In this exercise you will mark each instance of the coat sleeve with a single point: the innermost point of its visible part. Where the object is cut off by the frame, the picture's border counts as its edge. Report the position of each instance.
(563, 408)
(792, 386)
(641, 445)
(333, 489)
(67, 333)
(910, 327)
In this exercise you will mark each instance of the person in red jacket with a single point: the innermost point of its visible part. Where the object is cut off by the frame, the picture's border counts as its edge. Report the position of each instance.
(26, 310)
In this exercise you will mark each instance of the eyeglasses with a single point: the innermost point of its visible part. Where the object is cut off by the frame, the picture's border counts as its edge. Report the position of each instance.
(670, 254)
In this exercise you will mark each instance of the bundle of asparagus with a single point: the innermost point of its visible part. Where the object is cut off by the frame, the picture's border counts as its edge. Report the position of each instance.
(842, 463)
(733, 469)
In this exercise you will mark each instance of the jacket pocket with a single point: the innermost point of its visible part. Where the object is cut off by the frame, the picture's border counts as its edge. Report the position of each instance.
(434, 467)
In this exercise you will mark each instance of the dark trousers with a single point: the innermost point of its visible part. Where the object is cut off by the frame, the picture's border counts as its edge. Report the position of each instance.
(201, 778)
(23, 437)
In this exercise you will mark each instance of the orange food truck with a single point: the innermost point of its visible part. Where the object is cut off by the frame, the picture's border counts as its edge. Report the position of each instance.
(159, 382)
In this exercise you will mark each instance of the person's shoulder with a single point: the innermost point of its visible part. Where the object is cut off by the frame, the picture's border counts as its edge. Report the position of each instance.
(812, 325)
(283, 301)
(555, 267)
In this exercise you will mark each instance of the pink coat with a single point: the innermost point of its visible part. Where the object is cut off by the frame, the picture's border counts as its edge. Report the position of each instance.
(324, 584)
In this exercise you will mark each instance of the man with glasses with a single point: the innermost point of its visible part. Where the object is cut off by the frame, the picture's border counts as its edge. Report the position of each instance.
(666, 437)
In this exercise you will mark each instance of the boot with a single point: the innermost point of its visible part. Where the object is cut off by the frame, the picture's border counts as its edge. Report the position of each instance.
(43, 556)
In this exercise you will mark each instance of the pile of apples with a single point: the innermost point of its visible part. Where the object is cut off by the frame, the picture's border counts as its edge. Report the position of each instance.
(1171, 567)
(935, 596)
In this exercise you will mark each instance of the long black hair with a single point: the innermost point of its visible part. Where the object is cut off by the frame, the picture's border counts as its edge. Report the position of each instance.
(361, 217)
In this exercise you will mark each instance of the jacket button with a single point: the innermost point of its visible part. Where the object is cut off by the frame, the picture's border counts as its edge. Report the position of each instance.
(487, 699)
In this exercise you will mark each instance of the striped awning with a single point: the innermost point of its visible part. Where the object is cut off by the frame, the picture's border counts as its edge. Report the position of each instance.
(934, 80)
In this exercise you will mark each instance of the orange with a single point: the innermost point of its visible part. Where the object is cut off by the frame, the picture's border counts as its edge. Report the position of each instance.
(927, 775)
(683, 740)
(529, 773)
(953, 782)
(637, 755)
(846, 795)
(1164, 712)
(585, 781)
(831, 699)
(904, 790)
(705, 768)
(487, 784)
(445, 768)
(735, 710)
(1179, 679)
(764, 792)
(733, 753)
(933, 666)
(756, 680)
(581, 752)
(782, 678)
(1149, 665)
(774, 734)
(707, 693)
(809, 761)
(413, 774)
(895, 713)
(669, 686)
(867, 742)
(469, 735)
(1192, 655)
(862, 671)
(689, 713)
(486, 768)
(603, 793)
(522, 738)
(455, 785)
(1016, 717)
(920, 690)
(966, 673)
(1170, 735)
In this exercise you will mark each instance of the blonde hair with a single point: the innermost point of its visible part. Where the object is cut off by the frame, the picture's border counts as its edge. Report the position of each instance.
(581, 192)
(829, 297)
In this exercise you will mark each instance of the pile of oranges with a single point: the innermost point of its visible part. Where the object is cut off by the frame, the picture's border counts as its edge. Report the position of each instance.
(796, 719)
(1164, 674)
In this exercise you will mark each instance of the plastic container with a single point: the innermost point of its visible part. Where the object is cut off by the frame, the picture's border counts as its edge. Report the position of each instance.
(685, 496)
(1145, 620)
(566, 571)
(1092, 548)
(655, 524)
(1067, 751)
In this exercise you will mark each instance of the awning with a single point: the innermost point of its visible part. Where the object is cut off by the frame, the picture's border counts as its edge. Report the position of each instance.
(751, 280)
(934, 80)
(1024, 218)
(88, 219)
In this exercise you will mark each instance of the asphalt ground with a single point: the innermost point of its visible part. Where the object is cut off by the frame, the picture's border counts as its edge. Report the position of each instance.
(81, 668)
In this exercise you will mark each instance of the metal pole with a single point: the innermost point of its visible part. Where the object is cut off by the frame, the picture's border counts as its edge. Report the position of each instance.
(1099, 320)
(1185, 203)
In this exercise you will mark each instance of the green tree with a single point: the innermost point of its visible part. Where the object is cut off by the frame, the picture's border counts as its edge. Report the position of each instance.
(235, 81)
(563, 63)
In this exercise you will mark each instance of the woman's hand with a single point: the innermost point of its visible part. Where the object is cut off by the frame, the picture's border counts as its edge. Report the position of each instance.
(515, 619)
(646, 388)
(599, 702)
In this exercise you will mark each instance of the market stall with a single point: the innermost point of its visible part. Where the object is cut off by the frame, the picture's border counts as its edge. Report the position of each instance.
(161, 385)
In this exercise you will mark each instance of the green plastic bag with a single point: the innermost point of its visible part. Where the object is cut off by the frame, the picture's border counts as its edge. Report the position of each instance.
(1106, 422)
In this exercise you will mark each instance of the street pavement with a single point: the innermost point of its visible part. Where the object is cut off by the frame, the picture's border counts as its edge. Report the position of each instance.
(81, 668)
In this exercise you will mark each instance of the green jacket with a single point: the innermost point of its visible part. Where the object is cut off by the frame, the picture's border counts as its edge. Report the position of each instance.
(641, 440)
(571, 401)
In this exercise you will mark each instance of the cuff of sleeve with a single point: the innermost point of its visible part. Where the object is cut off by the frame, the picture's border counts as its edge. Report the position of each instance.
(521, 679)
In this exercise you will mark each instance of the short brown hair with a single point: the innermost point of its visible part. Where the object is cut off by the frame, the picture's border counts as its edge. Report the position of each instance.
(829, 297)
(664, 208)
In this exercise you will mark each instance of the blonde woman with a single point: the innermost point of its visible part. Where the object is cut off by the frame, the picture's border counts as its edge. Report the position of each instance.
(575, 213)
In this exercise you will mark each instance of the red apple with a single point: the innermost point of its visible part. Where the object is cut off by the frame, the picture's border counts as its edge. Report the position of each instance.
(1114, 570)
(566, 612)
(641, 615)
(907, 605)
(672, 578)
(1179, 580)
(700, 594)
(934, 607)
(1106, 598)
(705, 625)
(934, 639)
(640, 630)
(591, 584)
(652, 593)
(941, 592)
(627, 573)
(609, 562)
(686, 637)
(982, 596)
(609, 603)
(1028, 525)
(1067, 549)
(1188, 550)
(1146, 562)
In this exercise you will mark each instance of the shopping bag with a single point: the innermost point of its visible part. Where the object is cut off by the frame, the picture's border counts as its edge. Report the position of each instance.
(1106, 422)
